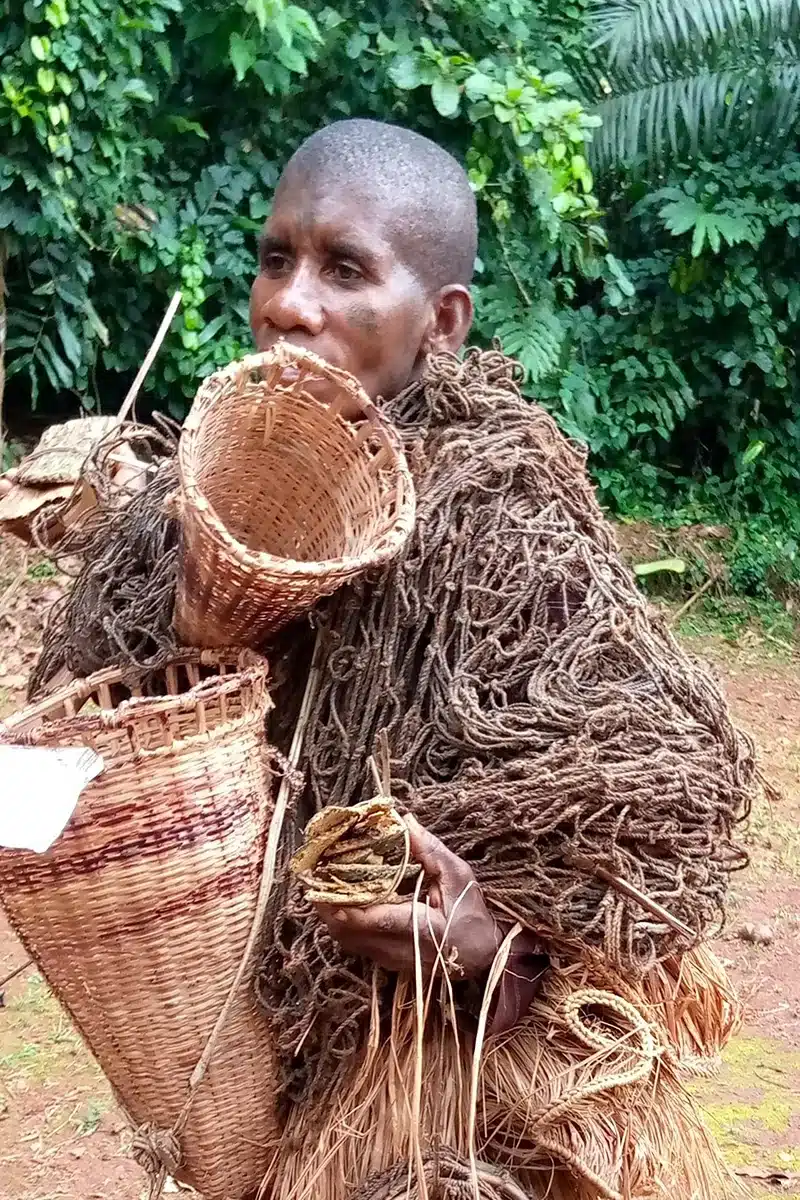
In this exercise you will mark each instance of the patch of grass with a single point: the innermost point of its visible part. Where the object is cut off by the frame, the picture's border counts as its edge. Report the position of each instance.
(731, 617)
(42, 570)
(88, 1120)
(755, 1097)
(37, 1039)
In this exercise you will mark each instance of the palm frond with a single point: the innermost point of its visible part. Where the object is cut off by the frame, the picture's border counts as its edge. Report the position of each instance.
(664, 118)
(677, 33)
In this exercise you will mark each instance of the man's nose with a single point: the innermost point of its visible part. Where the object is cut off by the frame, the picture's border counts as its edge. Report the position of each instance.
(296, 304)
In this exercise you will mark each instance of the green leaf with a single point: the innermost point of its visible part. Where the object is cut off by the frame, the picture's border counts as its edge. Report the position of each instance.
(94, 320)
(446, 96)
(164, 56)
(55, 365)
(136, 89)
(752, 452)
(292, 59)
(72, 347)
(259, 10)
(478, 85)
(46, 79)
(356, 45)
(304, 23)
(676, 566)
(404, 72)
(211, 330)
(40, 48)
(183, 125)
(242, 54)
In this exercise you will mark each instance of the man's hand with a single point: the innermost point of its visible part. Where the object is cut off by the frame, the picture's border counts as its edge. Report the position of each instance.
(455, 918)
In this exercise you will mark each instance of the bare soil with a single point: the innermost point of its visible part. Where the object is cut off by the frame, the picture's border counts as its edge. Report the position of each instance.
(61, 1137)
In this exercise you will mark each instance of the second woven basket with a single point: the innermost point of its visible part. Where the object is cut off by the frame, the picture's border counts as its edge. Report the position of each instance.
(292, 484)
(140, 913)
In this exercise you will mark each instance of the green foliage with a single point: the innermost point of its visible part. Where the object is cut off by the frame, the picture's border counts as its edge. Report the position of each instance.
(141, 143)
(689, 75)
(145, 141)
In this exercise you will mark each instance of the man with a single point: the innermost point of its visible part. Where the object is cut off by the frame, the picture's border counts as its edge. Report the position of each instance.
(512, 664)
(374, 278)
(572, 779)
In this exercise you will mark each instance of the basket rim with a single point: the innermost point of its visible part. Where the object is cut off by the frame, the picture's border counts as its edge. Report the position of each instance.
(252, 668)
(384, 547)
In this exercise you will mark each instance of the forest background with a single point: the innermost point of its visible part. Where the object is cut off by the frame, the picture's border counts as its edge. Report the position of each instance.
(638, 175)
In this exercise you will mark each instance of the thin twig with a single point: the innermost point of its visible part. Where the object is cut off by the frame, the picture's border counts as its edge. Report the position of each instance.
(17, 971)
(133, 391)
(684, 608)
(627, 889)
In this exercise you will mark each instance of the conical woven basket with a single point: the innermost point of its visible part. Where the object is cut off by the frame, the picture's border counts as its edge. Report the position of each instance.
(292, 484)
(140, 912)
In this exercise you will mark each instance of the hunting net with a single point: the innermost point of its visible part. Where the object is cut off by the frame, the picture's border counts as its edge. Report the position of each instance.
(542, 721)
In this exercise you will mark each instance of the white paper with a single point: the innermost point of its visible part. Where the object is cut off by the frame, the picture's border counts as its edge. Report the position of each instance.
(39, 789)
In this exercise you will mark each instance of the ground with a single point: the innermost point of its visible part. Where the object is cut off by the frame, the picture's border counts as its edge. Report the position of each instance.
(61, 1137)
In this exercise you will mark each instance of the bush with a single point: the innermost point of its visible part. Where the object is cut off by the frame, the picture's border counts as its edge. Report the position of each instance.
(128, 177)
(141, 143)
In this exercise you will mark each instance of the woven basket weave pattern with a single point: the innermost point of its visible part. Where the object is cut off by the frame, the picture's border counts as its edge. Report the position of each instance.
(139, 913)
(283, 498)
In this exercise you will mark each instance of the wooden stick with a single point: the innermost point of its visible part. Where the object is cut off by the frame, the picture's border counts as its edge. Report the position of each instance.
(133, 391)
(684, 608)
(270, 858)
(633, 893)
(17, 971)
(264, 891)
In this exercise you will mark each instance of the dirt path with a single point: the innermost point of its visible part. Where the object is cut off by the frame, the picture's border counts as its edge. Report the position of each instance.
(61, 1137)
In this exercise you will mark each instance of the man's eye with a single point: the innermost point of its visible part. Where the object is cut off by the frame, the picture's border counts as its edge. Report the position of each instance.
(345, 272)
(273, 262)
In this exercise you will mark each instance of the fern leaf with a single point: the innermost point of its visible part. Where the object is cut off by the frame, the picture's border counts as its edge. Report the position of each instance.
(534, 337)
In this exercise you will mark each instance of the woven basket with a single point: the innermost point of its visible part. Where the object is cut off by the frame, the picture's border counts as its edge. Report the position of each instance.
(138, 915)
(285, 496)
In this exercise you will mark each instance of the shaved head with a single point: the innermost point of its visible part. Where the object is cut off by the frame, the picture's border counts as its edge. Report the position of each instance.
(429, 205)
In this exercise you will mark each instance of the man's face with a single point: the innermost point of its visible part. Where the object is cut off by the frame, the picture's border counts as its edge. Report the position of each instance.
(331, 281)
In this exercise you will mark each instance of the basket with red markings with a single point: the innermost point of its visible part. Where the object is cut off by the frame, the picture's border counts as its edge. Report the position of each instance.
(140, 913)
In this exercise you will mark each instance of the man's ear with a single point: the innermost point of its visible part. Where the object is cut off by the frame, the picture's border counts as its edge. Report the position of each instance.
(451, 320)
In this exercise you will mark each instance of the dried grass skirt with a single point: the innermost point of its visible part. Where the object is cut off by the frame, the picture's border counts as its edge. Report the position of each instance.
(587, 1098)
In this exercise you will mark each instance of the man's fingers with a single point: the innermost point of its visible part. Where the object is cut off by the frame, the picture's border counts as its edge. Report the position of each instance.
(381, 921)
(439, 863)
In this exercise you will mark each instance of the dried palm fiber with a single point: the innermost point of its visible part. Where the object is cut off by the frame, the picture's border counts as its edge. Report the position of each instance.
(120, 607)
(291, 485)
(584, 1098)
(140, 913)
(62, 450)
(45, 478)
(534, 707)
(447, 1177)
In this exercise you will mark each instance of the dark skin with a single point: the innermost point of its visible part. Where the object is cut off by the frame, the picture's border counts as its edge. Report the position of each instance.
(334, 279)
(331, 280)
